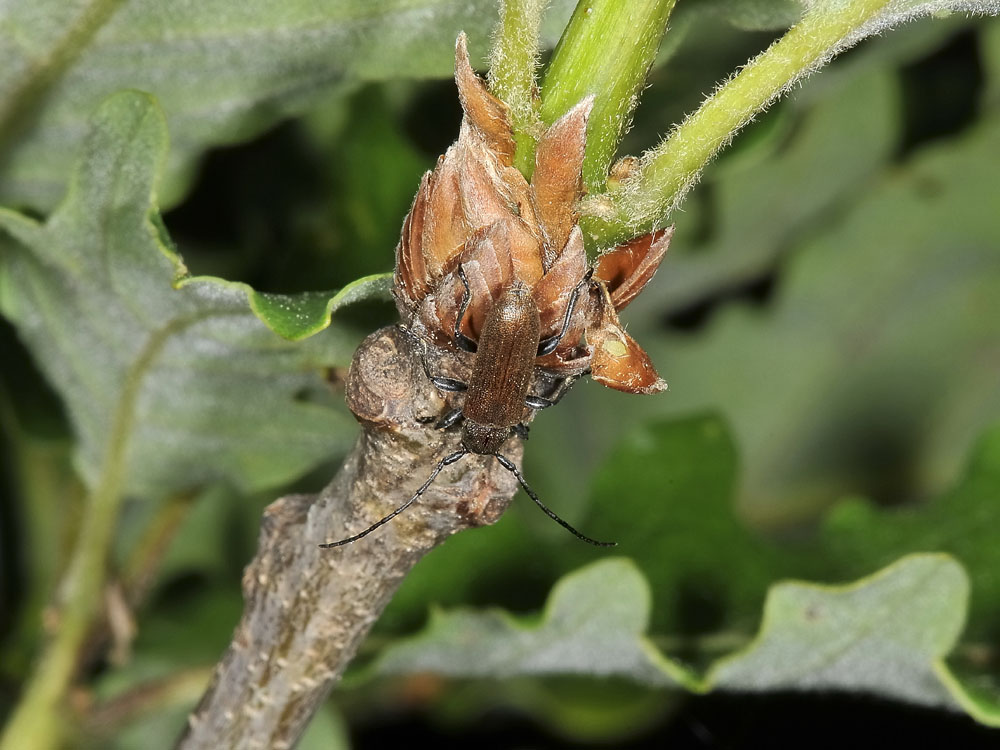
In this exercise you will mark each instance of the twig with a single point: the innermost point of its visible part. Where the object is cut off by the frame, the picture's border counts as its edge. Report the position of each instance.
(307, 609)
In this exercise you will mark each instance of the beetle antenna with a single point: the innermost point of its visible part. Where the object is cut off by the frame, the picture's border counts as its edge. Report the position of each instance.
(509, 466)
(447, 460)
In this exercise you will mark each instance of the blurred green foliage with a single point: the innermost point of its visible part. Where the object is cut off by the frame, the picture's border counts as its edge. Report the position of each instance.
(827, 320)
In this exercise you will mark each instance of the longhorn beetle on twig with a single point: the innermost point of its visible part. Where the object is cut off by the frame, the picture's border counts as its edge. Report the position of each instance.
(497, 391)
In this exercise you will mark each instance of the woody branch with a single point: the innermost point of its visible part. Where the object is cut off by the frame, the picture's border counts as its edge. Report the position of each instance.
(306, 609)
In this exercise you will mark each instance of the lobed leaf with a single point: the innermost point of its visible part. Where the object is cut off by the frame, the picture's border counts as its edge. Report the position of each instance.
(886, 634)
(961, 522)
(187, 383)
(222, 70)
(606, 603)
(298, 316)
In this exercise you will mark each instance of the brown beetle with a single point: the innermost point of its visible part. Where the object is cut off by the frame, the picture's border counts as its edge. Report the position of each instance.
(497, 392)
(493, 262)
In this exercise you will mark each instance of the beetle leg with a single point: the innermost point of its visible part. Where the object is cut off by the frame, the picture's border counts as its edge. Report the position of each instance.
(537, 402)
(449, 419)
(521, 430)
(544, 402)
(448, 384)
(548, 345)
(451, 385)
(462, 341)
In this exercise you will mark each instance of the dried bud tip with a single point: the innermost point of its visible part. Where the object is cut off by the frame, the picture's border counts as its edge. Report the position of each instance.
(489, 115)
(622, 170)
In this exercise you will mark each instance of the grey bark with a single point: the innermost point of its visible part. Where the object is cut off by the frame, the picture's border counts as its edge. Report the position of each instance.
(306, 609)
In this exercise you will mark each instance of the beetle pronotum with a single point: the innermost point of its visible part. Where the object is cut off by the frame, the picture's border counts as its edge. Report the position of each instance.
(497, 391)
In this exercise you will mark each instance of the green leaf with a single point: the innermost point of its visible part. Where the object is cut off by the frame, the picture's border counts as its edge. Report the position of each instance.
(665, 494)
(186, 384)
(870, 371)
(962, 522)
(223, 70)
(669, 170)
(299, 316)
(814, 154)
(606, 603)
(886, 634)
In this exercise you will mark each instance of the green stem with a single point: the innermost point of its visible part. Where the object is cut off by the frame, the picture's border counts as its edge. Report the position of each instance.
(139, 571)
(668, 171)
(513, 61)
(38, 721)
(606, 50)
(51, 497)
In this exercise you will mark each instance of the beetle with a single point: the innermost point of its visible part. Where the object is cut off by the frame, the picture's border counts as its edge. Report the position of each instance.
(497, 393)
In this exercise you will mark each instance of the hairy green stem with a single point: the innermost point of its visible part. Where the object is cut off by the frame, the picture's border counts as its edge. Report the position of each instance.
(513, 61)
(668, 171)
(606, 50)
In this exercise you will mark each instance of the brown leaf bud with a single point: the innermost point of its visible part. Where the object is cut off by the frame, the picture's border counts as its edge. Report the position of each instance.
(476, 216)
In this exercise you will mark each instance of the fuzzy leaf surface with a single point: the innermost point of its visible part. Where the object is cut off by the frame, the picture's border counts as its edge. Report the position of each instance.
(180, 368)
(225, 71)
(886, 634)
(843, 380)
(222, 70)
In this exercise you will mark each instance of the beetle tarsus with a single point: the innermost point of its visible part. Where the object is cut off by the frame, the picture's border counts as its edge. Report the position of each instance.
(537, 402)
(562, 387)
(450, 419)
(548, 345)
(449, 384)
